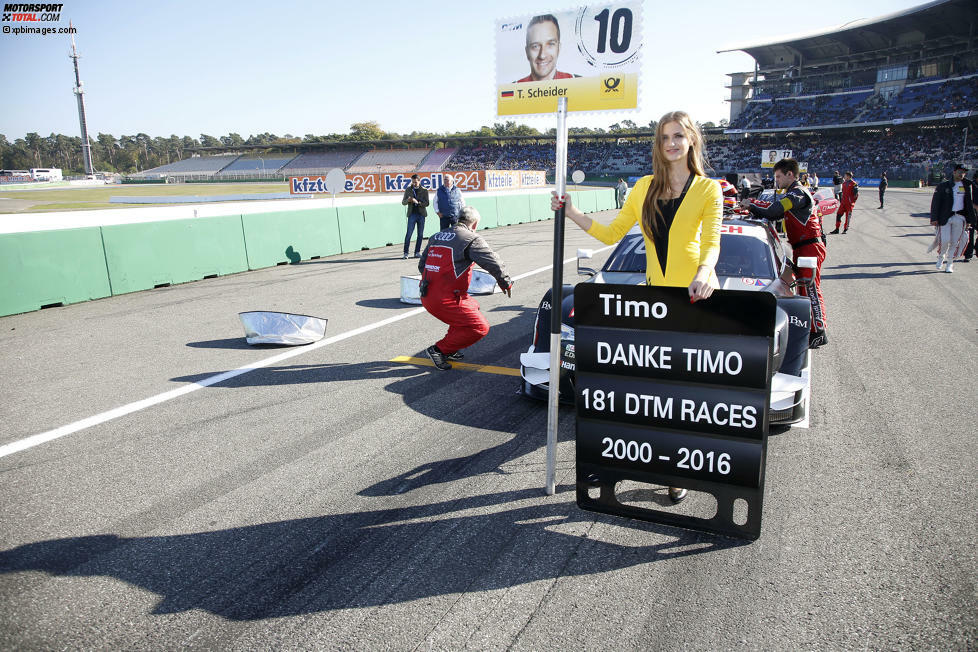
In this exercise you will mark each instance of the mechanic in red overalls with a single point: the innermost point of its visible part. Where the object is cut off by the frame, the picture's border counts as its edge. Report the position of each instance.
(446, 269)
(803, 227)
(850, 193)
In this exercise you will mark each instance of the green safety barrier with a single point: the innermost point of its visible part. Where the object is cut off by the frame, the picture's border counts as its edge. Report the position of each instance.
(584, 200)
(605, 199)
(540, 208)
(71, 265)
(513, 209)
(144, 256)
(288, 237)
(488, 211)
(44, 268)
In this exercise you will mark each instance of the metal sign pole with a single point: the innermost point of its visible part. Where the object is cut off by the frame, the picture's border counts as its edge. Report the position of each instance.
(556, 297)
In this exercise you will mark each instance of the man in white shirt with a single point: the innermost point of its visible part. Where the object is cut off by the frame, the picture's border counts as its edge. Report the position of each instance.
(951, 210)
(744, 185)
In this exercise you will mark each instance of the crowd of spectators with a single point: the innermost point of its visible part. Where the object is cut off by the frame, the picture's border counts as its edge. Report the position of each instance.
(904, 154)
(482, 157)
(867, 154)
(916, 100)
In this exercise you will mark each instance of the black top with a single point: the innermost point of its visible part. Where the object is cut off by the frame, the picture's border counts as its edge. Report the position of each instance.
(669, 208)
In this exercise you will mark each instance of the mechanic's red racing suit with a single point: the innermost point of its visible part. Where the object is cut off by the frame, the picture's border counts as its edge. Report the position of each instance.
(446, 267)
(850, 193)
(803, 227)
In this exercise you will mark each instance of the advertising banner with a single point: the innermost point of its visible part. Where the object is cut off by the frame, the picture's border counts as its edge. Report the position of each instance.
(591, 55)
(533, 178)
(771, 156)
(673, 394)
(399, 181)
(502, 179)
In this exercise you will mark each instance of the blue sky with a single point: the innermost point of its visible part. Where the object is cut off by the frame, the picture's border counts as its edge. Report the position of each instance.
(188, 68)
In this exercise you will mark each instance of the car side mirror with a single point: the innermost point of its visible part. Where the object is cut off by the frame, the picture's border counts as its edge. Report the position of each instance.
(585, 254)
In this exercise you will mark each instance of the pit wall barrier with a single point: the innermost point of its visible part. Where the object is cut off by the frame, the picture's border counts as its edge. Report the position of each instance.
(63, 266)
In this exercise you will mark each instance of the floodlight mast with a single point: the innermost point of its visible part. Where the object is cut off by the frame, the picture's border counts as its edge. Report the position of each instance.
(80, 96)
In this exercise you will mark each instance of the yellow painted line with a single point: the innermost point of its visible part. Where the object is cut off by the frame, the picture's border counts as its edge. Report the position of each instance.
(485, 368)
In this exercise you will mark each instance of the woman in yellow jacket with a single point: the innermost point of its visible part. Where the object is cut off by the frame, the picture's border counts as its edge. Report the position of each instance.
(680, 211)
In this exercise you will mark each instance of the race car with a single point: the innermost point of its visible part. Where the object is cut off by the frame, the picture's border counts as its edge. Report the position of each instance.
(752, 257)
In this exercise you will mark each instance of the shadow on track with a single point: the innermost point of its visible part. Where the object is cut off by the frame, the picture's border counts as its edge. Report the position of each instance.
(922, 269)
(233, 343)
(358, 559)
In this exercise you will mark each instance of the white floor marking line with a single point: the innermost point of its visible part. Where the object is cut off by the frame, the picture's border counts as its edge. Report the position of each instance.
(50, 435)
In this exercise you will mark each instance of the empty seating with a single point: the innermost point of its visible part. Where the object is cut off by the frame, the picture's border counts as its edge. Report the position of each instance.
(244, 167)
(197, 165)
(320, 162)
(389, 160)
(437, 159)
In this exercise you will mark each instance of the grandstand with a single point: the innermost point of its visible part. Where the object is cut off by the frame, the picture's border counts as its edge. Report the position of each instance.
(919, 65)
(320, 162)
(248, 167)
(389, 160)
(189, 167)
(895, 93)
(437, 159)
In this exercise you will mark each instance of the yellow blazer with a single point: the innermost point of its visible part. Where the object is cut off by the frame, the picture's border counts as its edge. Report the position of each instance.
(694, 238)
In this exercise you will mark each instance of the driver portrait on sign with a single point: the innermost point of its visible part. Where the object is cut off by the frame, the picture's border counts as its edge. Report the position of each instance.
(542, 50)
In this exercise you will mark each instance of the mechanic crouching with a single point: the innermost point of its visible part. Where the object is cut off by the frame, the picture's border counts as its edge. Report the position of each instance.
(804, 230)
(446, 269)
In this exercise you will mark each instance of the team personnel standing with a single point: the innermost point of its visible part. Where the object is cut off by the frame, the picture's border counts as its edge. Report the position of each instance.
(679, 209)
(448, 202)
(804, 230)
(446, 269)
(814, 179)
(850, 193)
(416, 200)
(883, 185)
(837, 185)
(969, 251)
(620, 190)
(951, 210)
(744, 185)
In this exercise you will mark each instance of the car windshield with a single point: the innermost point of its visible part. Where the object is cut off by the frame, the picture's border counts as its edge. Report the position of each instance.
(739, 256)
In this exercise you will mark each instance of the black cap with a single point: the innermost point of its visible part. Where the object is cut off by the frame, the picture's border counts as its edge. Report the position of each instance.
(960, 166)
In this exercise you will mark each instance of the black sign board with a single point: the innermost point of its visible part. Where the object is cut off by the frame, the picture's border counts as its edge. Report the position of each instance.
(676, 394)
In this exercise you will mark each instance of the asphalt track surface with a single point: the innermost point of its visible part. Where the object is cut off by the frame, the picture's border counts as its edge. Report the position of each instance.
(338, 500)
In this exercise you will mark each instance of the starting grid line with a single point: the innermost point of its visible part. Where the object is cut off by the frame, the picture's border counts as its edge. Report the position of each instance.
(484, 368)
(121, 411)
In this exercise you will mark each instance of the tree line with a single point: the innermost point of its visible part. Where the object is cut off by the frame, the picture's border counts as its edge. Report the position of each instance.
(131, 154)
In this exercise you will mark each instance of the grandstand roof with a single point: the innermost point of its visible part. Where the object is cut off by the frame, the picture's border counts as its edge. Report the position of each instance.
(953, 19)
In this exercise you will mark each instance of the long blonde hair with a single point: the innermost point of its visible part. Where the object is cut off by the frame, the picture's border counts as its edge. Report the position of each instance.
(652, 219)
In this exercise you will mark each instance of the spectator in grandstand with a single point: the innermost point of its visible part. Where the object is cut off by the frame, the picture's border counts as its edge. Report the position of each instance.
(679, 210)
(804, 230)
(416, 200)
(620, 189)
(837, 185)
(448, 202)
(951, 209)
(446, 269)
(883, 184)
(542, 50)
(850, 193)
